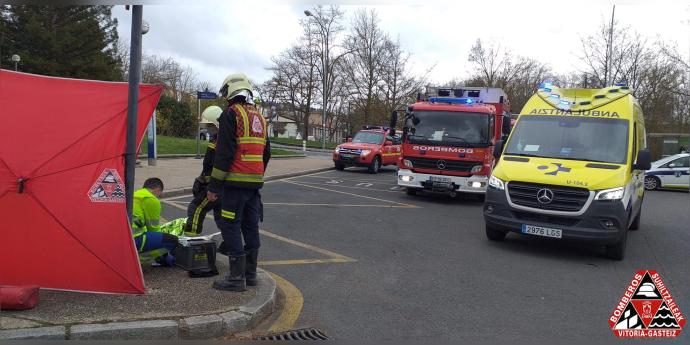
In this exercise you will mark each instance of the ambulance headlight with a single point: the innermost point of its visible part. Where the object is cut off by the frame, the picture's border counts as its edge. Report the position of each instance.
(610, 194)
(365, 153)
(406, 178)
(496, 183)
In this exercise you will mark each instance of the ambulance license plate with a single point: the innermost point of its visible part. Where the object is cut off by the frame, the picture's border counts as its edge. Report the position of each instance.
(541, 231)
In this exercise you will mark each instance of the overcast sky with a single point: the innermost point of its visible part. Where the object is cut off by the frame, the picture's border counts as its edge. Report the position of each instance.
(216, 38)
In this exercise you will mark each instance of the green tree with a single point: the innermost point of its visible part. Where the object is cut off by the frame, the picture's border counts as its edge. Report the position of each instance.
(65, 41)
(175, 118)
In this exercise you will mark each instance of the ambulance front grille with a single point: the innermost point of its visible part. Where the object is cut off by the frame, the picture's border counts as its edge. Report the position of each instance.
(565, 199)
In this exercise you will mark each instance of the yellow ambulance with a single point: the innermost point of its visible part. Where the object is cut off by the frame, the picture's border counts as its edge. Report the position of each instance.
(571, 169)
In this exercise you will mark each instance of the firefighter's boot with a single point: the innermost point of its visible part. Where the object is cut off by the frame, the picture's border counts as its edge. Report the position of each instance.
(250, 272)
(235, 280)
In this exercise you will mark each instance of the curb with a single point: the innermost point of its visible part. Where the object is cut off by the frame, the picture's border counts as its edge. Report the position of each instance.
(242, 319)
(188, 190)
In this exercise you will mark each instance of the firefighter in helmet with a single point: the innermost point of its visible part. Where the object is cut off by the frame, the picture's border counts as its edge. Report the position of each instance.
(197, 209)
(242, 154)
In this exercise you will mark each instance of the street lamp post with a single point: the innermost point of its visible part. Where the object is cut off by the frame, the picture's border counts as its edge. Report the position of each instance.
(325, 74)
(16, 58)
(133, 103)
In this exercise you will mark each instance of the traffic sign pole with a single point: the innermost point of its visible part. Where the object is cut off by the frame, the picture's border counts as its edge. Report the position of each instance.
(152, 147)
(198, 127)
(199, 96)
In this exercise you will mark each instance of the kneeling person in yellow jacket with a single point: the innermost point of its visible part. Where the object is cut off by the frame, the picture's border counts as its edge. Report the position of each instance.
(146, 213)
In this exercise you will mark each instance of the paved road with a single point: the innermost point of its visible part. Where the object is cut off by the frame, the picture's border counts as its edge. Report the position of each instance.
(422, 267)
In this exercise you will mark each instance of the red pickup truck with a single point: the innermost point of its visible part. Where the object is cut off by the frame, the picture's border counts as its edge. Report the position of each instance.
(371, 147)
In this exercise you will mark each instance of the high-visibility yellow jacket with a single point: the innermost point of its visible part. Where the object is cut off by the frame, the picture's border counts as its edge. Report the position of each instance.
(146, 212)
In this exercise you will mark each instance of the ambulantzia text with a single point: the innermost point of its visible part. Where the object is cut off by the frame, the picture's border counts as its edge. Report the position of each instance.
(442, 149)
(568, 112)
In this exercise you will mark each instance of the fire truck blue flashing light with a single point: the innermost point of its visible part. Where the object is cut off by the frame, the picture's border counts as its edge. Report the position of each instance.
(451, 100)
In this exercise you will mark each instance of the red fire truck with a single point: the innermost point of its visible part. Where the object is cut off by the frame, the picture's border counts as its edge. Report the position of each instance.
(448, 139)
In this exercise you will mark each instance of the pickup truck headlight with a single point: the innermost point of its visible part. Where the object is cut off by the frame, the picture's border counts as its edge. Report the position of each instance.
(496, 183)
(337, 150)
(610, 194)
(365, 153)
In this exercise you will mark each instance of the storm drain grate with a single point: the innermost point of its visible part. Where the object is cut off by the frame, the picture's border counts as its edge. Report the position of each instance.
(296, 334)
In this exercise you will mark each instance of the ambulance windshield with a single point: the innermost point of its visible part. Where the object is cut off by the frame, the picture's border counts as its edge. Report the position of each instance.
(450, 128)
(575, 138)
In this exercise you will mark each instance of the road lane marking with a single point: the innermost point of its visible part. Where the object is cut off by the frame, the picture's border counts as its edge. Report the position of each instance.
(334, 205)
(340, 186)
(333, 257)
(325, 252)
(348, 179)
(176, 197)
(294, 301)
(352, 194)
(303, 262)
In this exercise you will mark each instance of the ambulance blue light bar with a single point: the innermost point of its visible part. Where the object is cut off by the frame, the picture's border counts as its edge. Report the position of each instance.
(451, 100)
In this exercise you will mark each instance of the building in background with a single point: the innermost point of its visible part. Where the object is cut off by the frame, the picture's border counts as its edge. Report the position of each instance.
(667, 144)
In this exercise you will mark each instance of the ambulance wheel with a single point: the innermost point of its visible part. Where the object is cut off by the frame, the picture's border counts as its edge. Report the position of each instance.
(411, 191)
(617, 251)
(651, 183)
(495, 234)
(636, 222)
(375, 165)
(339, 166)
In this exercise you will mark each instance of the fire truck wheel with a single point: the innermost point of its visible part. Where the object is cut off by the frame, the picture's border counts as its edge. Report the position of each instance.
(411, 191)
(375, 165)
(339, 166)
(495, 234)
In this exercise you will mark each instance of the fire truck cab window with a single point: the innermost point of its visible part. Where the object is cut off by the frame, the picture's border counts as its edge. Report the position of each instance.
(441, 126)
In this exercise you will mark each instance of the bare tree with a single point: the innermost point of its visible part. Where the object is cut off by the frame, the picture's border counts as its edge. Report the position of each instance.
(295, 79)
(205, 86)
(325, 25)
(489, 61)
(398, 86)
(179, 81)
(367, 42)
(518, 76)
(614, 54)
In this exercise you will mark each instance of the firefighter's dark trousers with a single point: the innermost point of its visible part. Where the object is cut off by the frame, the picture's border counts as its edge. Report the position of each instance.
(198, 208)
(238, 219)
